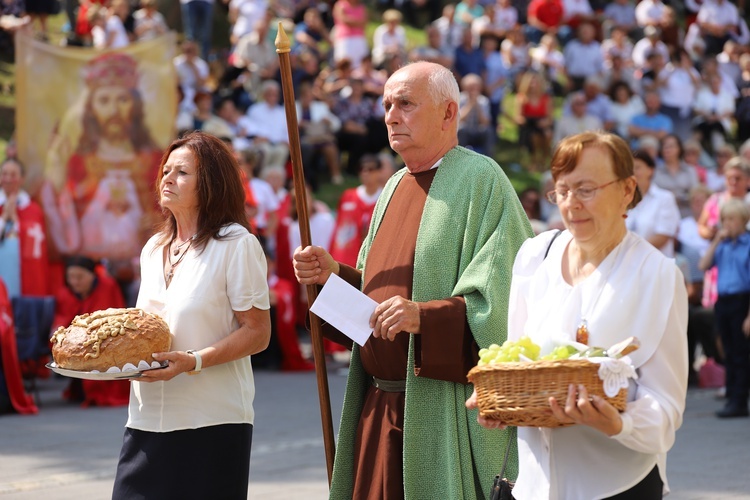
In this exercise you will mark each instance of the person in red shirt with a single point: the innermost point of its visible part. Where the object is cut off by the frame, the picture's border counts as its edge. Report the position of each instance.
(543, 16)
(13, 396)
(23, 218)
(88, 288)
(354, 212)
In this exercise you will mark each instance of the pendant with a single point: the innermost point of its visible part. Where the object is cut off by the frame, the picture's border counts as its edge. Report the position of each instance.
(169, 275)
(582, 333)
(176, 251)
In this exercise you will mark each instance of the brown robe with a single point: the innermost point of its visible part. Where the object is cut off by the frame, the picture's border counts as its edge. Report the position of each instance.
(449, 354)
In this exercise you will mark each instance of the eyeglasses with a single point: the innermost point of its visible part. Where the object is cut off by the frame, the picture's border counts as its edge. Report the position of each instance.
(582, 193)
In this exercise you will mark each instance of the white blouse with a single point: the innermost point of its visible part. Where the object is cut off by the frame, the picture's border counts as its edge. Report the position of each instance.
(229, 275)
(657, 213)
(634, 291)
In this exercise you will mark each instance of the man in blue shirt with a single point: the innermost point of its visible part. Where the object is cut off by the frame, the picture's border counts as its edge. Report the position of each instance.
(651, 122)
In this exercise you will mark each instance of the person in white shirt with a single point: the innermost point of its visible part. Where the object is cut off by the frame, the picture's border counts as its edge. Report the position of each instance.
(656, 218)
(244, 15)
(688, 234)
(583, 56)
(266, 122)
(648, 44)
(714, 110)
(649, 12)
(577, 121)
(717, 19)
(205, 275)
(598, 274)
(108, 31)
(149, 23)
(192, 72)
(388, 38)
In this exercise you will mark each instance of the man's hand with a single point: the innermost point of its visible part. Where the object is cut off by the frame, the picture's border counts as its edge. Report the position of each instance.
(393, 316)
(313, 265)
(594, 411)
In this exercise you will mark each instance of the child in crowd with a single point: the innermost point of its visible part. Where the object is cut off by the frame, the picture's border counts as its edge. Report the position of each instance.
(730, 253)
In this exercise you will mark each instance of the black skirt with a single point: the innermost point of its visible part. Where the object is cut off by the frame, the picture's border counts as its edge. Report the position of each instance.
(207, 463)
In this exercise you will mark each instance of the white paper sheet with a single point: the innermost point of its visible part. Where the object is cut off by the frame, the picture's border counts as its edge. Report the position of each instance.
(346, 308)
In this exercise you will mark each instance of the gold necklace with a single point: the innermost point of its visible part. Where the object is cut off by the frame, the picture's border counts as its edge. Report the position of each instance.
(170, 274)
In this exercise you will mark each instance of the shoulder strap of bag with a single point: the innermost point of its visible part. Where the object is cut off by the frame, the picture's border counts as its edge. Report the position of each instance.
(551, 242)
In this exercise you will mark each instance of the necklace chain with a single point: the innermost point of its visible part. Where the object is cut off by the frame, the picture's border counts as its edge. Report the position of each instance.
(582, 332)
(170, 274)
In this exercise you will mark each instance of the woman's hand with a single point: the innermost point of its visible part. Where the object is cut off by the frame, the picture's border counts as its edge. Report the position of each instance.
(594, 412)
(313, 265)
(471, 404)
(177, 362)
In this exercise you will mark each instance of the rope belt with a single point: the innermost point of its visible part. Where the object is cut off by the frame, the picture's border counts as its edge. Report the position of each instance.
(389, 385)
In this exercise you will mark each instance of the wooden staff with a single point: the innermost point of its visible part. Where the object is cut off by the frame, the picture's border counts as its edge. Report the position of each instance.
(283, 47)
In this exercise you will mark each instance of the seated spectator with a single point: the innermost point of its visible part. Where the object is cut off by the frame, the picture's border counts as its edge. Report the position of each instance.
(88, 288)
(531, 203)
(107, 28)
(717, 19)
(677, 85)
(149, 23)
(388, 38)
(656, 218)
(619, 72)
(434, 50)
(617, 45)
(516, 54)
(475, 129)
(265, 219)
(576, 12)
(468, 58)
(355, 210)
(729, 61)
(652, 74)
(649, 44)
(651, 122)
(349, 41)
(583, 56)
(620, 14)
(625, 105)
(23, 229)
(533, 115)
(254, 60)
(204, 118)
(543, 17)
(244, 16)
(650, 144)
(332, 80)
(266, 121)
(496, 77)
(578, 121)
(238, 123)
(695, 156)
(311, 34)
(466, 12)
(548, 60)
(372, 78)
(450, 31)
(673, 174)
(649, 12)
(318, 127)
(597, 103)
(688, 235)
(322, 223)
(714, 109)
(500, 17)
(709, 67)
(361, 132)
(743, 103)
(192, 72)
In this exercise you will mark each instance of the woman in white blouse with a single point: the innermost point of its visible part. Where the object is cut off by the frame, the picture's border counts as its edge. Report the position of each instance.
(205, 274)
(598, 272)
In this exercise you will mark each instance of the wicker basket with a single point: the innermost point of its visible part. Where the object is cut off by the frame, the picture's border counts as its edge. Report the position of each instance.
(518, 393)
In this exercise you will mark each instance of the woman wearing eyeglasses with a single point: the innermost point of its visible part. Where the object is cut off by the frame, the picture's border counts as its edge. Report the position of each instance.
(599, 275)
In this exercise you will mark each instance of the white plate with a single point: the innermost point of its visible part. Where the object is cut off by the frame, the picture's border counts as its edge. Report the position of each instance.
(97, 375)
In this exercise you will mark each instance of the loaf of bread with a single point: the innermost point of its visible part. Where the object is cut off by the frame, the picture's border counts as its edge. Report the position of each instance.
(111, 340)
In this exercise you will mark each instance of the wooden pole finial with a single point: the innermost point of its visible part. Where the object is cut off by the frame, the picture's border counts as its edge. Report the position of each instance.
(283, 46)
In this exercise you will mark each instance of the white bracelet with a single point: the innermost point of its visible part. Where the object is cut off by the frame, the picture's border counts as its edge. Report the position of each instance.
(198, 362)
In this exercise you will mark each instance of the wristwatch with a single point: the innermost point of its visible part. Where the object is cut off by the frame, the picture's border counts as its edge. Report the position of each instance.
(198, 362)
